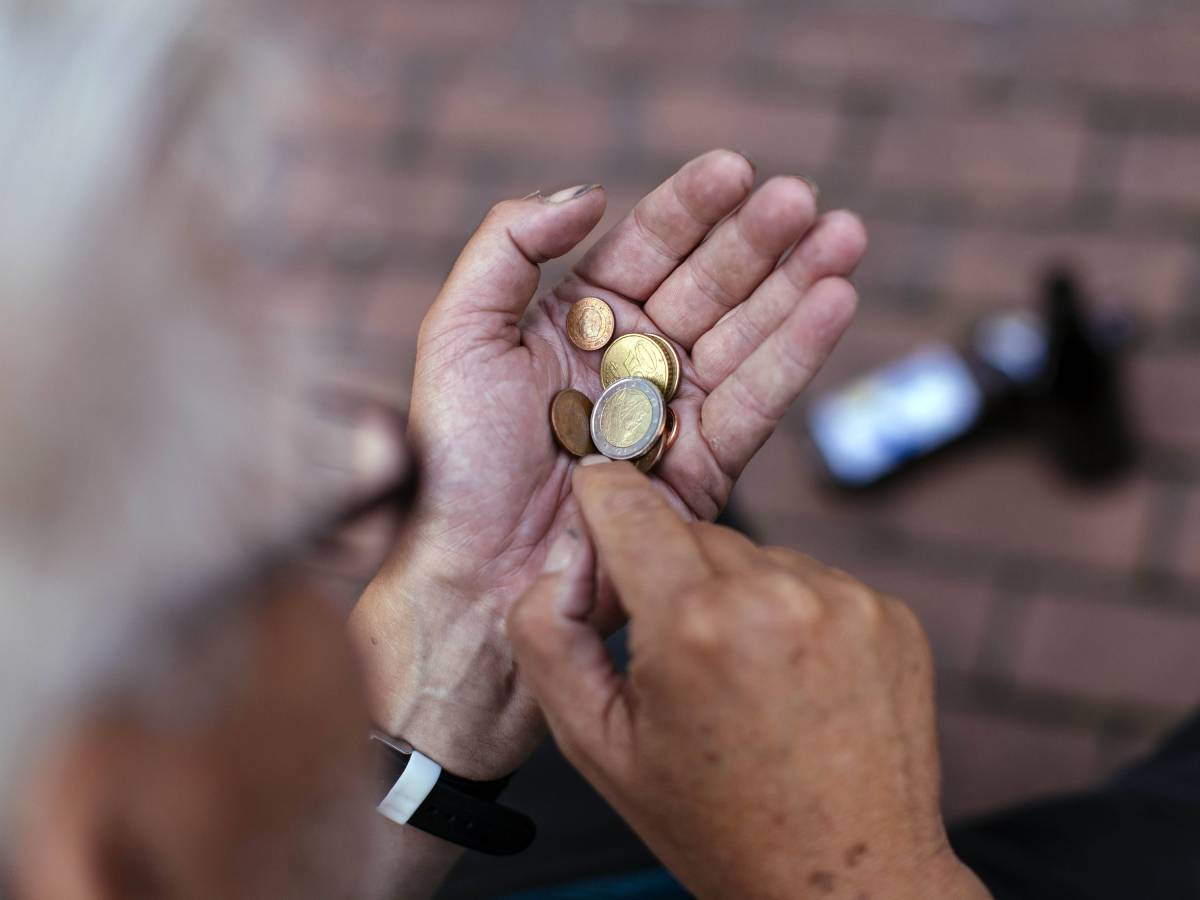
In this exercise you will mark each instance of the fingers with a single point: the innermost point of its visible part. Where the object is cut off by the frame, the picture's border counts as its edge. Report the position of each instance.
(833, 248)
(742, 411)
(727, 550)
(496, 276)
(725, 269)
(644, 545)
(562, 657)
(639, 253)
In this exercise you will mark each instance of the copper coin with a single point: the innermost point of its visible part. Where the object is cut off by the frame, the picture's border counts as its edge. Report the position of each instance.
(671, 430)
(636, 356)
(571, 419)
(672, 365)
(628, 418)
(590, 323)
(652, 457)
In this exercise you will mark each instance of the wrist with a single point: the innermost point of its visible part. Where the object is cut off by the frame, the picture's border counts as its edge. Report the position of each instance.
(440, 675)
(942, 876)
(898, 873)
(958, 882)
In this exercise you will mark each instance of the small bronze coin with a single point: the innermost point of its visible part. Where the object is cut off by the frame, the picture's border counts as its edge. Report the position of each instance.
(652, 457)
(590, 323)
(636, 356)
(628, 418)
(672, 365)
(571, 419)
(671, 430)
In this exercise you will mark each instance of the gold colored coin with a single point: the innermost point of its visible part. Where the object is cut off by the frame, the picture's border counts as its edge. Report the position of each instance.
(672, 365)
(652, 457)
(636, 356)
(628, 418)
(671, 431)
(590, 323)
(570, 417)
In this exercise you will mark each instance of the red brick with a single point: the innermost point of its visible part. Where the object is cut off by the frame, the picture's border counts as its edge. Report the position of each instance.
(990, 761)
(300, 300)
(1150, 276)
(351, 96)
(434, 24)
(535, 117)
(683, 120)
(320, 203)
(954, 612)
(1165, 392)
(1000, 500)
(1159, 169)
(635, 33)
(879, 44)
(1004, 500)
(1133, 653)
(1188, 547)
(995, 161)
(396, 306)
(879, 335)
(905, 255)
(1011, 500)
(1155, 55)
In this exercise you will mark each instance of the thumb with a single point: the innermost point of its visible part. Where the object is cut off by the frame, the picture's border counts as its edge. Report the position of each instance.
(497, 274)
(562, 656)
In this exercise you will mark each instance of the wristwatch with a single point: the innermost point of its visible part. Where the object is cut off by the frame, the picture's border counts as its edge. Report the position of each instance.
(417, 791)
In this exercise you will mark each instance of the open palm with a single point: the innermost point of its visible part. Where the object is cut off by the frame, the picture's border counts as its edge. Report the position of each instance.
(749, 286)
(750, 334)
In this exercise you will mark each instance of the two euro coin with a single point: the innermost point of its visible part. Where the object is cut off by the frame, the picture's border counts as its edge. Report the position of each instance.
(629, 419)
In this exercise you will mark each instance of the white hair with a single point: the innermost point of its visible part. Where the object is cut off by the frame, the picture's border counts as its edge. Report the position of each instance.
(131, 141)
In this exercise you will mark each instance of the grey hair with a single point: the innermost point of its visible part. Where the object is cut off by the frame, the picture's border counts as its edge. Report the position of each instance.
(137, 402)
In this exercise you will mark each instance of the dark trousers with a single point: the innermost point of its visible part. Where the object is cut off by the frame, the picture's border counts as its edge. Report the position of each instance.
(1136, 837)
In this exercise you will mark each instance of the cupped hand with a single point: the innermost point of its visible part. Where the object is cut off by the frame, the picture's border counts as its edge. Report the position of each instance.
(750, 287)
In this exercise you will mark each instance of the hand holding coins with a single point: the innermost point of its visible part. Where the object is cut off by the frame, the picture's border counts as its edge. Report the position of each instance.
(639, 374)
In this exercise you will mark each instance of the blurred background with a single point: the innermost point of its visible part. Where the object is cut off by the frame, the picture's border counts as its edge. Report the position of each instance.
(979, 139)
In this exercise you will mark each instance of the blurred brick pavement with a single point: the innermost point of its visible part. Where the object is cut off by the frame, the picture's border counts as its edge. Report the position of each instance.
(979, 140)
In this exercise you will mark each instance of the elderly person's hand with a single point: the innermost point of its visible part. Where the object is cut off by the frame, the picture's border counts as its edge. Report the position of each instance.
(774, 735)
(702, 260)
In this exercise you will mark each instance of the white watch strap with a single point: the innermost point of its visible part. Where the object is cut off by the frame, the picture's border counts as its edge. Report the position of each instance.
(411, 788)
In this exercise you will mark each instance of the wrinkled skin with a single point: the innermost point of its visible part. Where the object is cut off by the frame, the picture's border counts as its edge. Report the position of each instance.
(810, 769)
(702, 260)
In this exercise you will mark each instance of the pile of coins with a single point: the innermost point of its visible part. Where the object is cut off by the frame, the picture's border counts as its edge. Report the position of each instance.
(639, 374)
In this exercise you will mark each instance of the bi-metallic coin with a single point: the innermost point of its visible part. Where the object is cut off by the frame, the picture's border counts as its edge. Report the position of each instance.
(571, 419)
(590, 323)
(628, 418)
(636, 356)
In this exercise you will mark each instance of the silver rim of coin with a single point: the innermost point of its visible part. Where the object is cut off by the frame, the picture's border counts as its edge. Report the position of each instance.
(653, 429)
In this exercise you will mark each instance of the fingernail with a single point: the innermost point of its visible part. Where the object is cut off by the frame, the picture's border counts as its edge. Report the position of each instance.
(748, 158)
(812, 186)
(572, 193)
(593, 460)
(562, 552)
